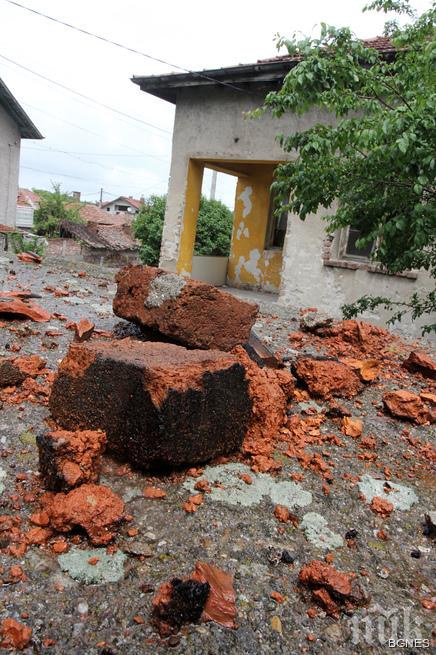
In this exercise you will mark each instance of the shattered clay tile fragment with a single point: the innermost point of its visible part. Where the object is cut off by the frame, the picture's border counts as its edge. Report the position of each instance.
(406, 405)
(420, 362)
(40, 518)
(154, 492)
(30, 365)
(276, 624)
(95, 508)
(368, 369)
(15, 634)
(278, 597)
(325, 378)
(428, 397)
(178, 602)
(381, 506)
(193, 313)
(159, 404)
(352, 427)
(23, 309)
(220, 605)
(83, 330)
(29, 257)
(331, 588)
(68, 459)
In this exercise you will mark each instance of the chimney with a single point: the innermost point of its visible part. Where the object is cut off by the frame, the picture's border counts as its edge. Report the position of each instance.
(76, 196)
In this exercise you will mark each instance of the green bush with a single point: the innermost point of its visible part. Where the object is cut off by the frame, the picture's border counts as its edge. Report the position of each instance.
(214, 229)
(52, 210)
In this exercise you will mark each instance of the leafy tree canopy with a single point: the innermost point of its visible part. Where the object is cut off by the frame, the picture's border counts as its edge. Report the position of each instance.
(214, 228)
(377, 159)
(53, 208)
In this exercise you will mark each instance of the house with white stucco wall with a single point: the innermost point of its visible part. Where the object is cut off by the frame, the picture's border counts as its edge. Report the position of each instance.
(14, 126)
(296, 260)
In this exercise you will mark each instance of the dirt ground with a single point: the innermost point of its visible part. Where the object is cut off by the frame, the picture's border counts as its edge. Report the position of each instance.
(76, 608)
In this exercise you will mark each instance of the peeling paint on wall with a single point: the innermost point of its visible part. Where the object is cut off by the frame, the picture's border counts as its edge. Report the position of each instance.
(245, 197)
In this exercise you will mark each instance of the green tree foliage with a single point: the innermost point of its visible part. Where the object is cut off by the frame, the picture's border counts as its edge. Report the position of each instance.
(214, 229)
(52, 210)
(378, 158)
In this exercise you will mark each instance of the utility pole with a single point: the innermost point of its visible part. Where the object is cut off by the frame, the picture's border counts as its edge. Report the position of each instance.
(213, 185)
(101, 196)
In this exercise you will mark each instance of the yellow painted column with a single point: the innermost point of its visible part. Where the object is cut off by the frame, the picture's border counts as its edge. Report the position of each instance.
(190, 215)
(250, 264)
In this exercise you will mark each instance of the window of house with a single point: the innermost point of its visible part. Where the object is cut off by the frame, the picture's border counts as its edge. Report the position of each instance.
(121, 208)
(349, 249)
(277, 223)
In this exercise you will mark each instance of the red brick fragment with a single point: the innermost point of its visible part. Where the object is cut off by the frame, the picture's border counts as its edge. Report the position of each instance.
(381, 506)
(406, 405)
(95, 508)
(15, 634)
(326, 378)
(332, 589)
(420, 362)
(83, 330)
(68, 459)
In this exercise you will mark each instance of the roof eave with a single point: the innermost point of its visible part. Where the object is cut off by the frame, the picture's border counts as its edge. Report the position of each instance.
(12, 107)
(249, 75)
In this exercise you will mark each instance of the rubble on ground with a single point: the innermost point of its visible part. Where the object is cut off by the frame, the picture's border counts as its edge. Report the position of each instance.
(22, 308)
(333, 590)
(419, 362)
(407, 405)
(95, 508)
(300, 481)
(192, 313)
(159, 404)
(68, 459)
(206, 594)
(325, 378)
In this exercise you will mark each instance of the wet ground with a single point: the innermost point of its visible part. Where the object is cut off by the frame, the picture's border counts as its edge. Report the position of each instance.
(77, 608)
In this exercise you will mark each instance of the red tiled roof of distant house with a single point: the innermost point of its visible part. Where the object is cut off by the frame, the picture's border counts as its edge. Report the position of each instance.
(27, 198)
(381, 43)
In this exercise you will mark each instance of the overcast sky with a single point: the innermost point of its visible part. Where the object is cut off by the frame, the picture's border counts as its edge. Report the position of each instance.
(101, 148)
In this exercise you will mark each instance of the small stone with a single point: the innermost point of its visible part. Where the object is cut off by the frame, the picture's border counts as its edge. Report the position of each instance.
(286, 557)
(351, 534)
(137, 549)
(430, 524)
(313, 320)
(406, 405)
(415, 553)
(109, 568)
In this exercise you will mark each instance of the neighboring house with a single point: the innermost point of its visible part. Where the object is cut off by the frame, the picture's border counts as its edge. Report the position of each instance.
(101, 238)
(27, 202)
(14, 126)
(295, 259)
(123, 205)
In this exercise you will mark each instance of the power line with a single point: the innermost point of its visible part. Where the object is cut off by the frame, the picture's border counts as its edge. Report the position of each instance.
(124, 47)
(82, 95)
(85, 179)
(79, 127)
(101, 154)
